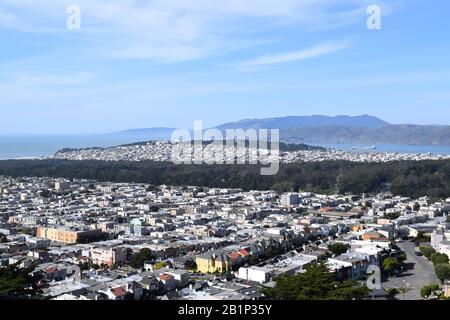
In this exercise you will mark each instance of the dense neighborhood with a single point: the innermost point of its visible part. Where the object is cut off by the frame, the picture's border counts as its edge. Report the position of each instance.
(86, 240)
(166, 151)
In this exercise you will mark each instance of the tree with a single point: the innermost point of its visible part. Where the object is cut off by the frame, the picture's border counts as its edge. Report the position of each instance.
(426, 291)
(190, 264)
(253, 259)
(138, 259)
(317, 283)
(439, 258)
(401, 258)
(46, 193)
(389, 264)
(338, 248)
(271, 250)
(160, 265)
(3, 238)
(391, 293)
(421, 237)
(442, 271)
(427, 251)
(416, 207)
(17, 282)
(392, 215)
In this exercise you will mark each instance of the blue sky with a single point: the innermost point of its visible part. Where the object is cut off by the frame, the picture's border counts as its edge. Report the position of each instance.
(136, 64)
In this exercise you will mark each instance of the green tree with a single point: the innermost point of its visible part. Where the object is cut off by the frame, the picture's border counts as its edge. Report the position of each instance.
(338, 248)
(317, 283)
(427, 251)
(160, 265)
(17, 282)
(426, 291)
(401, 258)
(271, 250)
(439, 258)
(442, 271)
(390, 264)
(138, 259)
(391, 293)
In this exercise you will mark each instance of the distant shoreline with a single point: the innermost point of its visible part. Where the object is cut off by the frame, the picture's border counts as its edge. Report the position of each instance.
(25, 147)
(23, 158)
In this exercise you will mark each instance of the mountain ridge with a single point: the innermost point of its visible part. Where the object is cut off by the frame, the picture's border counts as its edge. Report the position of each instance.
(363, 129)
(290, 122)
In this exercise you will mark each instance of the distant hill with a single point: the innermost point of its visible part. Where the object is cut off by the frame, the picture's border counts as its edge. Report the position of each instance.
(390, 134)
(364, 129)
(364, 121)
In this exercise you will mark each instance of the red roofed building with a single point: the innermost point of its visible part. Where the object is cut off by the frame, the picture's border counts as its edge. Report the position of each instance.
(236, 258)
(167, 281)
(244, 253)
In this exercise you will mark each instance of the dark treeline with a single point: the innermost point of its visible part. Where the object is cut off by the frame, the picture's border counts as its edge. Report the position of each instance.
(407, 178)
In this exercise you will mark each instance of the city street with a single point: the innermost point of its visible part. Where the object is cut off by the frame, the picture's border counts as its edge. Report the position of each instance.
(418, 273)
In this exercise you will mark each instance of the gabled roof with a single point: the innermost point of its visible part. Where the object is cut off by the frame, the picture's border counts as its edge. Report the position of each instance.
(234, 255)
(51, 269)
(118, 292)
(244, 253)
(165, 277)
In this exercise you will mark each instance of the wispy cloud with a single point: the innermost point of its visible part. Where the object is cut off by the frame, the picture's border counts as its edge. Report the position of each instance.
(176, 30)
(308, 53)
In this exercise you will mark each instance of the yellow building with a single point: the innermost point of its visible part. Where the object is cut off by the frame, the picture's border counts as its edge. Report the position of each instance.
(61, 234)
(212, 262)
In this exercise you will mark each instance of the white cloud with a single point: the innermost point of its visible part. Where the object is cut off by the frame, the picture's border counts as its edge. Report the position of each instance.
(178, 30)
(312, 52)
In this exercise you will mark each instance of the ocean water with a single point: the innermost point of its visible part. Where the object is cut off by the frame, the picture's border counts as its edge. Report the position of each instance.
(21, 147)
(399, 148)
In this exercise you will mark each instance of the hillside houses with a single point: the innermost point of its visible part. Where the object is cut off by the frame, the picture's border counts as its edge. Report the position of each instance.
(196, 243)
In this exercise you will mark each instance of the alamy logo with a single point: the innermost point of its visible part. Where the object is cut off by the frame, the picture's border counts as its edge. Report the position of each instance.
(239, 146)
(374, 19)
(74, 19)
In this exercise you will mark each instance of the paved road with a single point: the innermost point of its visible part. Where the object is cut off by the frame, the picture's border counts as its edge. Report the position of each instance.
(419, 273)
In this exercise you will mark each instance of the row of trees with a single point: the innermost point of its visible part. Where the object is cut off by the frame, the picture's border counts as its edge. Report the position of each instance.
(439, 260)
(408, 178)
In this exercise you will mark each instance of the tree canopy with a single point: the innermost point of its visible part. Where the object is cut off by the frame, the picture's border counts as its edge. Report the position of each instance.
(439, 258)
(442, 271)
(427, 251)
(17, 282)
(317, 283)
(338, 248)
(407, 178)
(138, 259)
